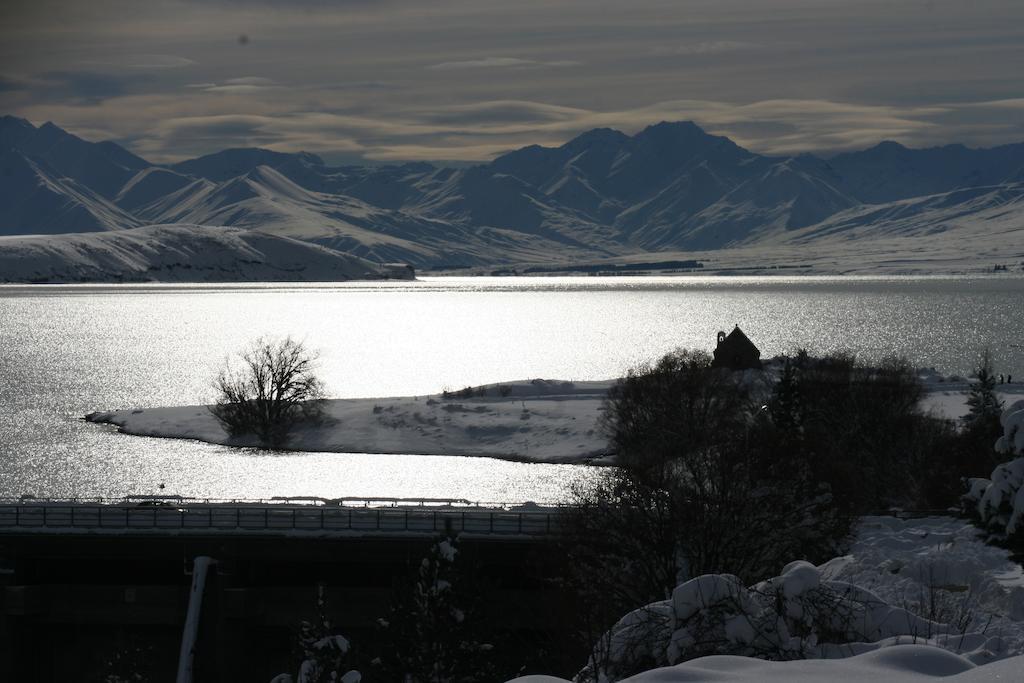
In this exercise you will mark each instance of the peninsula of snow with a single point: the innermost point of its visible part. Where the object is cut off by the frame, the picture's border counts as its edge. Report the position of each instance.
(536, 420)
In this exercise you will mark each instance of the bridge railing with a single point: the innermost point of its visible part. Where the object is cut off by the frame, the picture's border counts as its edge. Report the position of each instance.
(346, 501)
(253, 517)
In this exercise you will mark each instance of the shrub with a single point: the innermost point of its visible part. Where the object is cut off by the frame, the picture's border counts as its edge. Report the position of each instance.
(698, 491)
(268, 390)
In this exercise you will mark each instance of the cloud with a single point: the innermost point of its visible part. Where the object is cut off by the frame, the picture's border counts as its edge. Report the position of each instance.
(249, 80)
(8, 84)
(245, 84)
(81, 86)
(501, 63)
(710, 47)
(463, 80)
(179, 127)
(499, 112)
(157, 62)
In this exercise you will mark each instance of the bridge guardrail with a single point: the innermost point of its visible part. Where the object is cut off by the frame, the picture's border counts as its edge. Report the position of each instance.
(274, 518)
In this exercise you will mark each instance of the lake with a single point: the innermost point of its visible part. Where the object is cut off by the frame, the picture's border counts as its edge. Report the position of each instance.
(69, 350)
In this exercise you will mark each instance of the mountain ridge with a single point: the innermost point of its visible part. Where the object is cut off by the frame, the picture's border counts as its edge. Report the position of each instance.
(670, 186)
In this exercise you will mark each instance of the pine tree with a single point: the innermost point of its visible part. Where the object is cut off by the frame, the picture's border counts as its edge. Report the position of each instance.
(785, 405)
(981, 427)
(985, 406)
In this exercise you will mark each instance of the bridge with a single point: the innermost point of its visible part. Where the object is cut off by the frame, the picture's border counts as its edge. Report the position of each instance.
(83, 580)
(310, 515)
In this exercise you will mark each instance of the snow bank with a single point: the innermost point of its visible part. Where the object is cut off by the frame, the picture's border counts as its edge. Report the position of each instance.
(536, 421)
(947, 396)
(927, 581)
(905, 664)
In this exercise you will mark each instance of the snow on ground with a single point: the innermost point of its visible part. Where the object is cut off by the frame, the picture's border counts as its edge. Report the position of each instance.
(940, 568)
(946, 396)
(924, 599)
(900, 664)
(538, 420)
(531, 420)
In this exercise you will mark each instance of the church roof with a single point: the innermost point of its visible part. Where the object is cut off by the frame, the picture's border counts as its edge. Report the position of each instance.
(737, 338)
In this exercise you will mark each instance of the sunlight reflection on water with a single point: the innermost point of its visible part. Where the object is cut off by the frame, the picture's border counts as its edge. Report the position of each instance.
(68, 350)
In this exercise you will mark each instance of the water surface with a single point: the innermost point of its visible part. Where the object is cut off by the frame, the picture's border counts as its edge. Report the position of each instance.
(68, 350)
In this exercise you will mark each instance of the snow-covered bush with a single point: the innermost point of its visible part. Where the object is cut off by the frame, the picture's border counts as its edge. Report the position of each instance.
(325, 654)
(432, 633)
(1012, 420)
(997, 503)
(796, 615)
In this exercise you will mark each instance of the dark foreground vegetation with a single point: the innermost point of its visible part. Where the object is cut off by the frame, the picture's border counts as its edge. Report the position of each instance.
(726, 472)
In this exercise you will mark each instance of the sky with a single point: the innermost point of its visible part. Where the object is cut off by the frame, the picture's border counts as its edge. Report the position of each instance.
(465, 80)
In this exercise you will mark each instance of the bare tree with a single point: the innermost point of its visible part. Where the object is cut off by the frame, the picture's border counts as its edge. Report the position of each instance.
(268, 390)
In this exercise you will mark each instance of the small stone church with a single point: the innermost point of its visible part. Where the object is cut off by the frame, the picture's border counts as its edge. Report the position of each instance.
(736, 352)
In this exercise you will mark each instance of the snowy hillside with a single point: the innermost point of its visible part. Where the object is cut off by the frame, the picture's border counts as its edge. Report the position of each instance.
(38, 198)
(669, 188)
(174, 253)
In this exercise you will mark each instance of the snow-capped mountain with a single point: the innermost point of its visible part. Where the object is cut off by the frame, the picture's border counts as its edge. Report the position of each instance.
(175, 253)
(670, 187)
(37, 198)
(103, 167)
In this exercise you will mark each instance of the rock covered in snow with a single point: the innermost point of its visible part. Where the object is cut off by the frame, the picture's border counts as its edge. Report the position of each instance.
(809, 612)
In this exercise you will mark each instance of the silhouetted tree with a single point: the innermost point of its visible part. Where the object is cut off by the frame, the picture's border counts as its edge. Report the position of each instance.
(863, 430)
(661, 415)
(697, 491)
(970, 452)
(984, 405)
(268, 390)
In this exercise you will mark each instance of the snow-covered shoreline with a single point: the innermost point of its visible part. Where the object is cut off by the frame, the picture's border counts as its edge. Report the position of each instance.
(531, 421)
(545, 421)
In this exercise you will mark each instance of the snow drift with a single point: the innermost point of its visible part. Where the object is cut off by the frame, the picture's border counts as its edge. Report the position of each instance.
(921, 581)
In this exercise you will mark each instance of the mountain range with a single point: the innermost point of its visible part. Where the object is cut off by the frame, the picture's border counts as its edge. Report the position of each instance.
(669, 188)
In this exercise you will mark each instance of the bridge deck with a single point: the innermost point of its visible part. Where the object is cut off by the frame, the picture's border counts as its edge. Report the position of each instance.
(182, 516)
